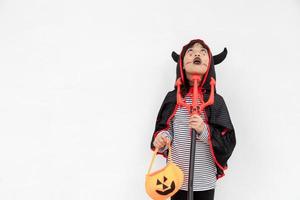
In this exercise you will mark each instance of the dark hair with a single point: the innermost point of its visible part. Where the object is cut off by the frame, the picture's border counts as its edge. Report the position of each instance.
(185, 86)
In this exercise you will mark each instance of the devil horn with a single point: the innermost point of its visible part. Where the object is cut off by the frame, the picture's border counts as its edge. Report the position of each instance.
(220, 57)
(175, 56)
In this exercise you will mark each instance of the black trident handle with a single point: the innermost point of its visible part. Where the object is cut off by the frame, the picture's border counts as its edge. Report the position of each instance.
(191, 166)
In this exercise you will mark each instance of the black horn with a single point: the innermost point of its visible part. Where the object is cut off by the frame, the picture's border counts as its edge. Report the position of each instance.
(175, 56)
(220, 57)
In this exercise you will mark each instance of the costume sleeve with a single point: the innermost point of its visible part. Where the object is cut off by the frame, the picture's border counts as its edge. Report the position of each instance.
(222, 133)
(162, 121)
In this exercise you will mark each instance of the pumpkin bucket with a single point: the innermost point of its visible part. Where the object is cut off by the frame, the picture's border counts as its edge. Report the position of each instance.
(165, 182)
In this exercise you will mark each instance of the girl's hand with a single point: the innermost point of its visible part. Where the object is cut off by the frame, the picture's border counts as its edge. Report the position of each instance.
(196, 122)
(161, 140)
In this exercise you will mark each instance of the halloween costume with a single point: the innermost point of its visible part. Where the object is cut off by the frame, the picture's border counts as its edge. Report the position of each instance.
(205, 170)
(219, 129)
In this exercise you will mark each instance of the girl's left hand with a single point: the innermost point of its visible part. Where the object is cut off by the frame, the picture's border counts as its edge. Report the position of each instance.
(196, 122)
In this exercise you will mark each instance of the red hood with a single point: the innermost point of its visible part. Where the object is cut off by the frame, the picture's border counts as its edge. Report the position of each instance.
(205, 83)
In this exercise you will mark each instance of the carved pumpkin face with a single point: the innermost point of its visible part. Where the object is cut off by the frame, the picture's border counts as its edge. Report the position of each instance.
(164, 183)
(167, 188)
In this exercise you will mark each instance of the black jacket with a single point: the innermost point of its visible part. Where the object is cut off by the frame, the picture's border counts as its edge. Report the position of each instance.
(221, 138)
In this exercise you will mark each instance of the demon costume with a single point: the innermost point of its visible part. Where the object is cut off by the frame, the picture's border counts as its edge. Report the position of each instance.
(221, 134)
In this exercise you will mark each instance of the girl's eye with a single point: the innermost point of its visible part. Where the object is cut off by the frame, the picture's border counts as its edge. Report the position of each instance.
(203, 50)
(190, 50)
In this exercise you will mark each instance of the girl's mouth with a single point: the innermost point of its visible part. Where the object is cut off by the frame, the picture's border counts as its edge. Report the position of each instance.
(197, 61)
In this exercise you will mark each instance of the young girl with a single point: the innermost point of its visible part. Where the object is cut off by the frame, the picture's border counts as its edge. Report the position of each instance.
(215, 136)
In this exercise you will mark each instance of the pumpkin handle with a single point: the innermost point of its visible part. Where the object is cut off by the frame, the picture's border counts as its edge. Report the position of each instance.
(154, 155)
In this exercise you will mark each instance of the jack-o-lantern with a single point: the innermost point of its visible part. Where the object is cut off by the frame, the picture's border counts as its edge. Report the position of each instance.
(165, 182)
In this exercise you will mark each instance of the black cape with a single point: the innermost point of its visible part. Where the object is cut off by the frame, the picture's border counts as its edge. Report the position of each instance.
(222, 138)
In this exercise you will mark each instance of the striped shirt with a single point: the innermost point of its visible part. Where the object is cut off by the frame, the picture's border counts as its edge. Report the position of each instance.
(180, 134)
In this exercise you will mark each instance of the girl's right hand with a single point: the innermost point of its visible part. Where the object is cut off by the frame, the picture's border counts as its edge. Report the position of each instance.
(161, 140)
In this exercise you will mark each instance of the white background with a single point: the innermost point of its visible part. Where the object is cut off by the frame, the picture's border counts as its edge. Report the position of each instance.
(81, 83)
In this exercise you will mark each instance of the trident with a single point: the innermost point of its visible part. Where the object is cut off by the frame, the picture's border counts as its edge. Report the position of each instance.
(194, 109)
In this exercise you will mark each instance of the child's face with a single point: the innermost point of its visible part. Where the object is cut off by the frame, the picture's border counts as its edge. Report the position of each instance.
(195, 61)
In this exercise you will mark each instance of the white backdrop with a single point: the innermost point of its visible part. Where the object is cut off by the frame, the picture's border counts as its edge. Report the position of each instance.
(81, 83)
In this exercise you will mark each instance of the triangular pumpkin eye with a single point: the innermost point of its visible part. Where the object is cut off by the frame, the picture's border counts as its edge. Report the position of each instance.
(158, 182)
(165, 179)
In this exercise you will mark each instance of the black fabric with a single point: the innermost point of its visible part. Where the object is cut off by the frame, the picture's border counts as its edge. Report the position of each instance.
(198, 195)
(217, 114)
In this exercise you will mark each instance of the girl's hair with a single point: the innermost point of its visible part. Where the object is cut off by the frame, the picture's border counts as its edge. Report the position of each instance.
(185, 86)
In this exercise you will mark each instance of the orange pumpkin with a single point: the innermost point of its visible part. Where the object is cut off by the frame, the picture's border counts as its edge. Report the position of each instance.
(165, 182)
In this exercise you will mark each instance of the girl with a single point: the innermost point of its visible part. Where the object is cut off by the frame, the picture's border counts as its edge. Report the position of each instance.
(215, 136)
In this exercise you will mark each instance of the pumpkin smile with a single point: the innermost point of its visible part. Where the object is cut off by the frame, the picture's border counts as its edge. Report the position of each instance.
(166, 192)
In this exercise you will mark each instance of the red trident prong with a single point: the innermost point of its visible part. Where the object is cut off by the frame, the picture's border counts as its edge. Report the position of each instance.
(195, 108)
(211, 99)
